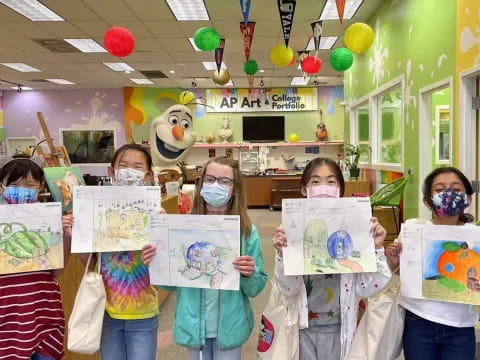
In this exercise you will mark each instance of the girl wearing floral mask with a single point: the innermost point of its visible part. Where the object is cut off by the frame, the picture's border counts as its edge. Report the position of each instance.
(32, 323)
(214, 324)
(435, 329)
(328, 303)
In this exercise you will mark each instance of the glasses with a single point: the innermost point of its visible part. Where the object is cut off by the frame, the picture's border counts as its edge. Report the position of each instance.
(222, 181)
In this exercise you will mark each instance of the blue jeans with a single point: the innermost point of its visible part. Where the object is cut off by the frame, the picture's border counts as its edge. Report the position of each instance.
(427, 340)
(36, 356)
(129, 339)
(212, 352)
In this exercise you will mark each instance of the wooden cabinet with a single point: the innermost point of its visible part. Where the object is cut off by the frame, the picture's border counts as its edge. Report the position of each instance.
(285, 187)
(258, 190)
(356, 187)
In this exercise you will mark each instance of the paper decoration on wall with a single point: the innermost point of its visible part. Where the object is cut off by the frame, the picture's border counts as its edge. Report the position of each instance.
(219, 54)
(245, 7)
(358, 37)
(317, 28)
(221, 78)
(311, 64)
(340, 9)
(286, 8)
(247, 30)
(281, 55)
(341, 59)
(60, 181)
(119, 41)
(207, 39)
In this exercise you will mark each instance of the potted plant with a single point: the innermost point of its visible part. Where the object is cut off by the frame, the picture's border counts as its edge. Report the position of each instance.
(351, 157)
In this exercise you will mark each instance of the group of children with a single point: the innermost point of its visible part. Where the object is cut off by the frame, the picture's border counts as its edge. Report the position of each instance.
(214, 324)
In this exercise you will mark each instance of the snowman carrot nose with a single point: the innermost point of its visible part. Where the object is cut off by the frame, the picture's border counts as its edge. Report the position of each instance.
(177, 132)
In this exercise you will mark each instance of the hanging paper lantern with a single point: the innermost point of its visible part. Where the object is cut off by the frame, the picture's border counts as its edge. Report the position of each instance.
(311, 64)
(119, 41)
(293, 138)
(281, 55)
(222, 77)
(250, 67)
(185, 97)
(358, 37)
(341, 59)
(207, 39)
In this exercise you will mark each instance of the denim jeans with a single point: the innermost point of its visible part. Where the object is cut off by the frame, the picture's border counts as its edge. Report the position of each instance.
(427, 340)
(129, 339)
(212, 352)
(36, 356)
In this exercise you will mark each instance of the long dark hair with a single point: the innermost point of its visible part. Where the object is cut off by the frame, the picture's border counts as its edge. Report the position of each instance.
(19, 168)
(320, 161)
(134, 147)
(428, 182)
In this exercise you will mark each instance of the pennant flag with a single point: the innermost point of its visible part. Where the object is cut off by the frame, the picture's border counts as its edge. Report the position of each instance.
(245, 6)
(286, 8)
(340, 9)
(247, 33)
(219, 54)
(317, 28)
(250, 80)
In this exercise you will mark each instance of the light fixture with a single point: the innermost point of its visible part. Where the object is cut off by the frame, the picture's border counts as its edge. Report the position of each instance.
(20, 88)
(32, 9)
(192, 42)
(261, 70)
(262, 83)
(60, 81)
(300, 80)
(188, 10)
(142, 81)
(172, 71)
(326, 43)
(86, 45)
(212, 65)
(21, 67)
(330, 12)
(119, 66)
(194, 83)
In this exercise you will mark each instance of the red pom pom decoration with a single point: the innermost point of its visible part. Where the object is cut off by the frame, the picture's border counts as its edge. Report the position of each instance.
(311, 64)
(119, 41)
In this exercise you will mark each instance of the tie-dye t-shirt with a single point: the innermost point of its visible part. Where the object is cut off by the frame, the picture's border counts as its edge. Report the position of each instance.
(127, 284)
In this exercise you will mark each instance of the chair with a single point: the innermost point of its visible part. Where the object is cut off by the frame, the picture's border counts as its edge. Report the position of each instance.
(390, 196)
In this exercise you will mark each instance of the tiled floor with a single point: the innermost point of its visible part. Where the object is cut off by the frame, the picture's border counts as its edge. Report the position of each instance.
(266, 222)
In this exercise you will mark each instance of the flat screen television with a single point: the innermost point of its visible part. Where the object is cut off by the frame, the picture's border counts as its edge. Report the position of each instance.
(264, 128)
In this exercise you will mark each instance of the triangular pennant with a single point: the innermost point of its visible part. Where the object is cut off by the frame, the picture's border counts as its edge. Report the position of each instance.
(317, 28)
(286, 8)
(250, 80)
(340, 9)
(219, 54)
(245, 6)
(247, 33)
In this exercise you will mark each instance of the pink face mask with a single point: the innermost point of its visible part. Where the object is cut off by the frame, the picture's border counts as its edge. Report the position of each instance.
(323, 191)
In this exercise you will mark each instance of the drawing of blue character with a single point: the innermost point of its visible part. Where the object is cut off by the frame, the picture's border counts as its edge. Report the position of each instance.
(203, 258)
(340, 244)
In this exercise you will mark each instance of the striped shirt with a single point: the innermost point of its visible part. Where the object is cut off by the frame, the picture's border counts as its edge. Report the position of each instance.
(31, 316)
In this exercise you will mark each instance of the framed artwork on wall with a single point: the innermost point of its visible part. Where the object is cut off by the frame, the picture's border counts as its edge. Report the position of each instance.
(92, 146)
(20, 145)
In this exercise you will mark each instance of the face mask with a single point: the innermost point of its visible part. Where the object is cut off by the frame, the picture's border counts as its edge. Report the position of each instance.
(323, 191)
(449, 202)
(215, 195)
(126, 177)
(19, 195)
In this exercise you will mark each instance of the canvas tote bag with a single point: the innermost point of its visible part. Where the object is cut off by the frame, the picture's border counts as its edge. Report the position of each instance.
(279, 332)
(86, 321)
(379, 334)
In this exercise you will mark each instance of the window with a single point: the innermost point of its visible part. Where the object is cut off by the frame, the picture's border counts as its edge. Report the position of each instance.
(89, 146)
(442, 125)
(363, 131)
(389, 127)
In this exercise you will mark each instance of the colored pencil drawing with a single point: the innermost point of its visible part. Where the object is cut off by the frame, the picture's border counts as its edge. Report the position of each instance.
(451, 271)
(60, 181)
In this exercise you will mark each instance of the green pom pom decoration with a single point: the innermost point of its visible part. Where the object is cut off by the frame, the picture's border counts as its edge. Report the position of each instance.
(207, 39)
(341, 59)
(250, 67)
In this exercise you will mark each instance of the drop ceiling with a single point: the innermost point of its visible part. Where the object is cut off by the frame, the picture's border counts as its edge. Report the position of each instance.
(161, 43)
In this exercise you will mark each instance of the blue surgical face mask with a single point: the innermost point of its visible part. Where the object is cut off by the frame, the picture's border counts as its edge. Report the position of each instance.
(215, 195)
(19, 195)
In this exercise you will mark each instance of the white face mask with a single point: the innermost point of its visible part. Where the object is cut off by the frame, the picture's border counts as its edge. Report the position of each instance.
(126, 177)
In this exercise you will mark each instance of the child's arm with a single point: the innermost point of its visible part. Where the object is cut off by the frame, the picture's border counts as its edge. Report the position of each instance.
(67, 222)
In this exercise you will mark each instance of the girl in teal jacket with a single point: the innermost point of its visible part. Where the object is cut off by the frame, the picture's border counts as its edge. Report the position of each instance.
(214, 324)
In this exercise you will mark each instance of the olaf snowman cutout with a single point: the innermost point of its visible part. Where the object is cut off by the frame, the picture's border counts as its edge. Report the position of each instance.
(225, 132)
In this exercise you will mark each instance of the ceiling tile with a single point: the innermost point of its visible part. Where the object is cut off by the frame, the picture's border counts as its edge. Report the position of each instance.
(112, 11)
(151, 10)
(71, 10)
(164, 29)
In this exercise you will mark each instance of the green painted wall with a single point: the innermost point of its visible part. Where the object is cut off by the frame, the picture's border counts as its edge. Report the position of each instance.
(415, 39)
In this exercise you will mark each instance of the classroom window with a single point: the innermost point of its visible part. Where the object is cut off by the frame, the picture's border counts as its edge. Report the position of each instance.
(389, 127)
(363, 131)
(89, 146)
(442, 125)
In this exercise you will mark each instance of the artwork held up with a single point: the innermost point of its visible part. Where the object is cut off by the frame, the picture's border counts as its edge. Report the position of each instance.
(60, 181)
(31, 237)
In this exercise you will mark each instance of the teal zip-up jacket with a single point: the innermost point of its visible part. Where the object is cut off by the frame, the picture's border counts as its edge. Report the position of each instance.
(235, 321)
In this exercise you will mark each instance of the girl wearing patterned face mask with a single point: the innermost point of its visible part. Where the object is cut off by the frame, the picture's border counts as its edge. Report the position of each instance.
(436, 329)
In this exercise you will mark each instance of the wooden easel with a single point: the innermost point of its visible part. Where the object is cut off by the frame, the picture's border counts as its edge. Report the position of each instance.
(58, 155)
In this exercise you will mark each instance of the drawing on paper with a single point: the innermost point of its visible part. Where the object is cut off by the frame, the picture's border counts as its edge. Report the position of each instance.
(60, 181)
(451, 271)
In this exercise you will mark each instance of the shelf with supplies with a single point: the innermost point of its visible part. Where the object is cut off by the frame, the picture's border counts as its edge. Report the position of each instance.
(268, 144)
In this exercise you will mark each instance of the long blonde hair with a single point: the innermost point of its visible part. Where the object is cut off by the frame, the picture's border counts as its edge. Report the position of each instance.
(237, 204)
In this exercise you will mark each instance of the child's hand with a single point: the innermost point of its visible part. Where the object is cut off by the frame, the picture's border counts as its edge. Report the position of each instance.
(393, 254)
(245, 264)
(279, 240)
(163, 211)
(148, 252)
(67, 223)
(378, 231)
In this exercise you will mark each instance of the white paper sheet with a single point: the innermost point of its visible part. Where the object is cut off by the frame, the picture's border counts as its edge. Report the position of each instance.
(195, 251)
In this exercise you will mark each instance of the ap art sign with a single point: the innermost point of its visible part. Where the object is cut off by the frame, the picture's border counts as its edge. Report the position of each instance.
(255, 100)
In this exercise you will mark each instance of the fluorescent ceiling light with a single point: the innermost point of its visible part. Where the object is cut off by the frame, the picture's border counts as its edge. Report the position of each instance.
(26, 88)
(172, 71)
(300, 80)
(326, 43)
(188, 10)
(329, 11)
(86, 45)
(21, 67)
(60, 81)
(192, 42)
(32, 9)
(119, 66)
(212, 65)
(142, 81)
(261, 70)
